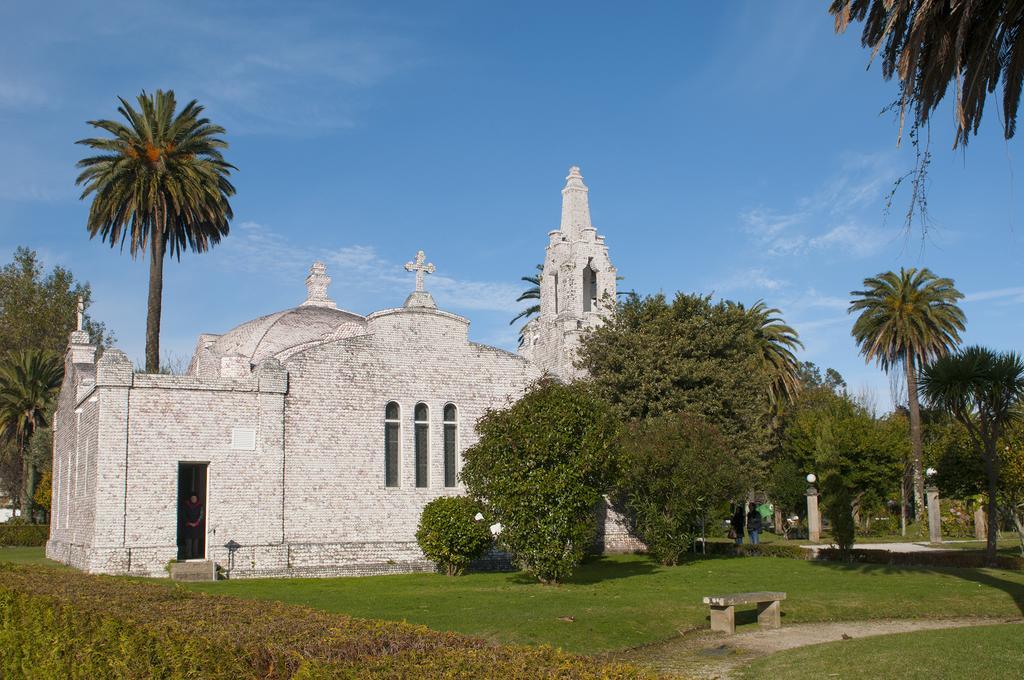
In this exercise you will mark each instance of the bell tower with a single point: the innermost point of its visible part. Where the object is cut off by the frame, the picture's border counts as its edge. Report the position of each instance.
(577, 286)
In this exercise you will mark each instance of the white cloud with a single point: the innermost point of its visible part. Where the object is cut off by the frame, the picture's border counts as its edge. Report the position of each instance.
(1007, 295)
(754, 278)
(826, 219)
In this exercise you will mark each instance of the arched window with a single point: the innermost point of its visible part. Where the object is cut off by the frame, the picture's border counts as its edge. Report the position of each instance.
(451, 426)
(422, 429)
(392, 436)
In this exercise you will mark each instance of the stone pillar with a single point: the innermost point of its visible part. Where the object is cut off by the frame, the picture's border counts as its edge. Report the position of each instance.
(813, 516)
(980, 523)
(931, 495)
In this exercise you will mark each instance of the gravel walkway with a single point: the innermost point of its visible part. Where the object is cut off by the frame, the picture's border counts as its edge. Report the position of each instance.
(707, 655)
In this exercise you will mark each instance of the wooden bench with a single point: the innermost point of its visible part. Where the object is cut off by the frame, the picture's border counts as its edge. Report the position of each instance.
(723, 609)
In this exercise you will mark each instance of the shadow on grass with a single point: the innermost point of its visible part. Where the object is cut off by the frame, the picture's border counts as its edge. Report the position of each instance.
(981, 576)
(596, 570)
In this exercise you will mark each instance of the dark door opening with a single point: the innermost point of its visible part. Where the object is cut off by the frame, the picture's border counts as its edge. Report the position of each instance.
(192, 511)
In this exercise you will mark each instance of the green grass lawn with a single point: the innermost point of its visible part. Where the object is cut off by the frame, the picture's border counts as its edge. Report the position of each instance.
(981, 652)
(629, 600)
(26, 556)
(624, 601)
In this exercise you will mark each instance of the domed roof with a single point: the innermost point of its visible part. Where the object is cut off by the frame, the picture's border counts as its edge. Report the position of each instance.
(272, 335)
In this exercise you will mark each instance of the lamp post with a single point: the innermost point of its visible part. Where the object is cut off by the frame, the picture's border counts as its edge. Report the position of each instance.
(931, 494)
(813, 516)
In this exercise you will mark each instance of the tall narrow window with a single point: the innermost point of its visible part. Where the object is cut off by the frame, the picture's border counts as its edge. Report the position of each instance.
(556, 292)
(422, 425)
(589, 287)
(451, 425)
(392, 429)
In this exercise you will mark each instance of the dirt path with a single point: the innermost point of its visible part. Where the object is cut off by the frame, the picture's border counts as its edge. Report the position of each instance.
(703, 654)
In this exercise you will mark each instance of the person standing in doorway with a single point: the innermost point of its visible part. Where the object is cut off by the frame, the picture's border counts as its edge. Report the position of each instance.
(753, 524)
(193, 512)
(736, 524)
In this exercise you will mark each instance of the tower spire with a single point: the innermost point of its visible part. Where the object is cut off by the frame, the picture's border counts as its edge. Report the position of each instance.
(575, 206)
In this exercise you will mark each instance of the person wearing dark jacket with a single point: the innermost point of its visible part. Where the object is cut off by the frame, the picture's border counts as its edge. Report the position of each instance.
(754, 524)
(737, 524)
(193, 517)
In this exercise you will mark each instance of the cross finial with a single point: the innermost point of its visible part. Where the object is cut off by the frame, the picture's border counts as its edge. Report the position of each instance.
(420, 268)
(81, 312)
(316, 287)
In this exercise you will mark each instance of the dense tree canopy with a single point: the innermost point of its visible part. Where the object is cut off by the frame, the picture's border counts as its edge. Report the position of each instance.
(655, 357)
(39, 310)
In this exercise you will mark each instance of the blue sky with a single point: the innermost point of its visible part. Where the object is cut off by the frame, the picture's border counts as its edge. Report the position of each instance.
(735, 149)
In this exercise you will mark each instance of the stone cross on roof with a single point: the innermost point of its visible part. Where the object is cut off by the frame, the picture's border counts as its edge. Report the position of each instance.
(420, 268)
(81, 312)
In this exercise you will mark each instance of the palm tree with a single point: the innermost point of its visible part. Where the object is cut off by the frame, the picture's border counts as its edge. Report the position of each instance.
(160, 184)
(982, 389)
(929, 44)
(531, 293)
(776, 343)
(29, 381)
(907, 320)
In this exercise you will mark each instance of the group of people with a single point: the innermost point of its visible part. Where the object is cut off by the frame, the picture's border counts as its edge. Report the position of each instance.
(750, 520)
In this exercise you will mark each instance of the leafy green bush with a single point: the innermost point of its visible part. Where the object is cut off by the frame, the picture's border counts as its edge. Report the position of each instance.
(61, 623)
(787, 550)
(540, 467)
(18, 534)
(839, 512)
(449, 535)
(673, 470)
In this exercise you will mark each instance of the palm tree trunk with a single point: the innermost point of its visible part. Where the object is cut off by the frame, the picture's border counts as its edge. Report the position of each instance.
(917, 449)
(991, 459)
(156, 290)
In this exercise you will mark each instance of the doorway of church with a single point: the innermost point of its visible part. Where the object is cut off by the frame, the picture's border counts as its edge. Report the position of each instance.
(192, 511)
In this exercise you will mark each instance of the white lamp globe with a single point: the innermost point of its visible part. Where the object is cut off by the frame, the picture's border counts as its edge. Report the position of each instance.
(478, 516)
(930, 472)
(496, 528)
(812, 478)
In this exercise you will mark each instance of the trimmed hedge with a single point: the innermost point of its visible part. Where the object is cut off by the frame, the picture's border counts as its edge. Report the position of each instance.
(788, 550)
(24, 535)
(945, 558)
(62, 623)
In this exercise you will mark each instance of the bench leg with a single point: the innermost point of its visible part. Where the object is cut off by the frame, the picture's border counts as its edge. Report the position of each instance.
(723, 619)
(769, 614)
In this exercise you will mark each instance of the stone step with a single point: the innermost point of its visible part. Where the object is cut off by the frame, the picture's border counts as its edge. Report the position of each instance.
(194, 570)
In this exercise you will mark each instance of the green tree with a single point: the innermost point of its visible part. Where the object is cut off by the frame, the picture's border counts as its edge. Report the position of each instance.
(159, 183)
(673, 471)
(1011, 472)
(540, 468)
(929, 44)
(654, 358)
(831, 435)
(776, 343)
(29, 382)
(906, 320)
(983, 390)
(450, 535)
(39, 310)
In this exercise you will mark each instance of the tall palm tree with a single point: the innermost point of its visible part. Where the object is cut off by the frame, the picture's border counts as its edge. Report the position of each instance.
(907, 320)
(531, 293)
(983, 390)
(776, 342)
(29, 382)
(160, 183)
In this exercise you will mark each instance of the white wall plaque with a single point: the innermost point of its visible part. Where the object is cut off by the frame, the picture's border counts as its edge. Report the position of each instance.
(243, 438)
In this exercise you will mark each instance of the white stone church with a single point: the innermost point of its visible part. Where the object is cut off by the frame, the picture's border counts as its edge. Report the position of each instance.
(313, 436)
